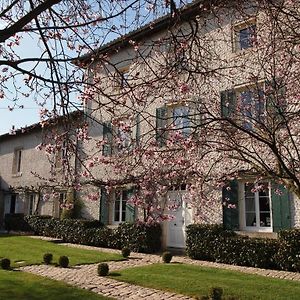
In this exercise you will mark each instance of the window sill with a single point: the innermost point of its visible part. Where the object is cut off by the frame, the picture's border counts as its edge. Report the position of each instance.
(16, 175)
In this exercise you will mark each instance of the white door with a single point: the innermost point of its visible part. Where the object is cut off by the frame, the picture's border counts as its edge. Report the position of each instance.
(176, 234)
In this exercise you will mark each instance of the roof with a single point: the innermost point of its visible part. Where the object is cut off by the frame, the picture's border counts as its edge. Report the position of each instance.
(38, 126)
(185, 13)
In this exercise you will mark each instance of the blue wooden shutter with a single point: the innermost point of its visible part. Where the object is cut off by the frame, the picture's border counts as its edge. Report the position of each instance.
(161, 123)
(104, 206)
(230, 215)
(228, 103)
(107, 135)
(281, 208)
(130, 209)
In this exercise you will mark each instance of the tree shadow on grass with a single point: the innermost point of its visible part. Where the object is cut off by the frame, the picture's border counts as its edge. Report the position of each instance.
(114, 274)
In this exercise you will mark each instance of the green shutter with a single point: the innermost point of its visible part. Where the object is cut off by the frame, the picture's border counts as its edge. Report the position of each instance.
(107, 135)
(161, 123)
(281, 208)
(228, 103)
(130, 210)
(230, 215)
(104, 206)
(275, 108)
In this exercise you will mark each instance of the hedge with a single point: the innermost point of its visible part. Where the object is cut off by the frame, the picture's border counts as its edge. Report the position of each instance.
(213, 243)
(137, 237)
(16, 222)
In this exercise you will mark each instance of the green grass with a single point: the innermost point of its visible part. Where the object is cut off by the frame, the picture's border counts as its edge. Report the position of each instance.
(24, 286)
(23, 250)
(196, 281)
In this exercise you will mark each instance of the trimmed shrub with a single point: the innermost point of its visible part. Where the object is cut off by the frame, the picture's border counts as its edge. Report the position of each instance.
(47, 258)
(211, 242)
(103, 269)
(125, 252)
(5, 263)
(216, 293)
(137, 237)
(167, 257)
(16, 222)
(288, 255)
(63, 261)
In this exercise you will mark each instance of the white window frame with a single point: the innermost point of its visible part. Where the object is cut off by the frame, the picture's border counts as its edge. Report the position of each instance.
(17, 161)
(185, 131)
(237, 27)
(119, 220)
(256, 228)
(32, 203)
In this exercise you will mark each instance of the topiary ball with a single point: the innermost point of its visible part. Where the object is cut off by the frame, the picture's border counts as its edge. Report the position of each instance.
(47, 258)
(167, 257)
(103, 269)
(125, 252)
(63, 261)
(5, 263)
(216, 293)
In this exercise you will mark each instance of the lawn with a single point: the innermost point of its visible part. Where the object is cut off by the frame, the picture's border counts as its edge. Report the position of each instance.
(22, 250)
(24, 286)
(196, 281)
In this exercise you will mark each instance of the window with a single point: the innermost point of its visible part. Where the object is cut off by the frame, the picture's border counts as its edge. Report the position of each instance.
(247, 105)
(123, 211)
(172, 118)
(61, 156)
(257, 207)
(31, 204)
(123, 136)
(245, 35)
(13, 202)
(17, 161)
(107, 138)
(252, 107)
(181, 120)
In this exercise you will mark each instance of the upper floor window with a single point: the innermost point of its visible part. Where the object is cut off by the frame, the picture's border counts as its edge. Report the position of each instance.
(173, 118)
(181, 120)
(17, 161)
(245, 34)
(246, 105)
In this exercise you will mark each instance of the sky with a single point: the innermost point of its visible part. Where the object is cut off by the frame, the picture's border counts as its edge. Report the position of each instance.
(20, 117)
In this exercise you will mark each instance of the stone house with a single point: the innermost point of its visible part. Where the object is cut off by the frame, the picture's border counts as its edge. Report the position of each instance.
(258, 213)
(24, 171)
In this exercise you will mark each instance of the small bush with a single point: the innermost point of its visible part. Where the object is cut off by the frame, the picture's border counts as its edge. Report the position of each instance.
(16, 222)
(167, 257)
(125, 252)
(216, 293)
(47, 258)
(5, 263)
(63, 261)
(103, 269)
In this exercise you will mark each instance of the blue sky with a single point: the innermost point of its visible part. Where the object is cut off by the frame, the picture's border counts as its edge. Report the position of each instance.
(30, 114)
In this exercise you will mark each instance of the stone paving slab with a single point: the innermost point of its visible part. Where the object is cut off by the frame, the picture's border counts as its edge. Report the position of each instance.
(86, 277)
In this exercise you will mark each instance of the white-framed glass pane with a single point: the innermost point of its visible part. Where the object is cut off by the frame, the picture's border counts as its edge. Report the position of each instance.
(181, 119)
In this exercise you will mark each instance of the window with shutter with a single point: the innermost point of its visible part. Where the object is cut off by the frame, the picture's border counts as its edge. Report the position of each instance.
(228, 103)
(161, 126)
(281, 207)
(104, 206)
(230, 206)
(107, 137)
